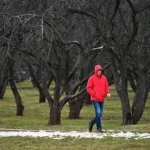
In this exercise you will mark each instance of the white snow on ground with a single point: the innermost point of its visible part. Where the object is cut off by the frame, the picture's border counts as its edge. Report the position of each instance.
(75, 134)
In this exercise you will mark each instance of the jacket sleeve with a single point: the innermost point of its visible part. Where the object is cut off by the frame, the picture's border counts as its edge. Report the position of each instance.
(89, 87)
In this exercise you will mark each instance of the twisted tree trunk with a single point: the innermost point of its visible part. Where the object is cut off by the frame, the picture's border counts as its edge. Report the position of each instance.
(139, 99)
(75, 107)
(20, 107)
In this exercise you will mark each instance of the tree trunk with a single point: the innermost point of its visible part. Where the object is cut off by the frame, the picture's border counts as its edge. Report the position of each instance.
(4, 67)
(123, 94)
(42, 95)
(17, 96)
(2, 92)
(139, 99)
(55, 115)
(75, 107)
(87, 99)
(36, 83)
(42, 98)
(126, 113)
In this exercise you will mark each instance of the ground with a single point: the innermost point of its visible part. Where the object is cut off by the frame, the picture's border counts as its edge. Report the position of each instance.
(75, 134)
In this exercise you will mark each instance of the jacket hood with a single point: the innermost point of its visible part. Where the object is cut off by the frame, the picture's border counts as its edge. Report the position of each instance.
(97, 67)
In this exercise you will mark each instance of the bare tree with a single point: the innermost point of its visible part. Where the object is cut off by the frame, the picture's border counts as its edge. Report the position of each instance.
(117, 24)
(52, 32)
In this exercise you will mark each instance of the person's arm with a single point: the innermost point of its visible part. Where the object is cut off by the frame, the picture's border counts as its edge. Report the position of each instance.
(89, 87)
(107, 89)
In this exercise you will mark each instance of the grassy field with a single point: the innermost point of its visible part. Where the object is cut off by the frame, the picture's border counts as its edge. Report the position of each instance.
(36, 117)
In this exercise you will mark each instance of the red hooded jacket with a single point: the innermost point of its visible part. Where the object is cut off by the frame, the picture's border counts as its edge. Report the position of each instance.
(97, 85)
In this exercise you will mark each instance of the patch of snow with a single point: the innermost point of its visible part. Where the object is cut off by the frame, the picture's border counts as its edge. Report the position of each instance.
(74, 134)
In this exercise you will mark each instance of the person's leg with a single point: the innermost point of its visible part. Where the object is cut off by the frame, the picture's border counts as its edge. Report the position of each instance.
(101, 105)
(93, 121)
(96, 119)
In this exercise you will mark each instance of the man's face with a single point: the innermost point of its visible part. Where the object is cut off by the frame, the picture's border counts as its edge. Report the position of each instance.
(99, 72)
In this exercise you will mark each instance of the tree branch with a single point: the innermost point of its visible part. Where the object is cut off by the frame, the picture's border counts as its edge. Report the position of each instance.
(135, 25)
(116, 9)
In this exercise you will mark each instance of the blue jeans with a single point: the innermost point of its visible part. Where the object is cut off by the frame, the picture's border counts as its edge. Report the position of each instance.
(98, 106)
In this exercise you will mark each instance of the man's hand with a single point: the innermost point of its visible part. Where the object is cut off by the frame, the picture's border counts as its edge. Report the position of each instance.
(108, 95)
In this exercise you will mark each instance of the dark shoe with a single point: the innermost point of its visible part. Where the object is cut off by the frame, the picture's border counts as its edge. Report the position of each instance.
(100, 130)
(90, 126)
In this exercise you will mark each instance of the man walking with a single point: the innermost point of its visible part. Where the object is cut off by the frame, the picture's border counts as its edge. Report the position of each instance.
(98, 88)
